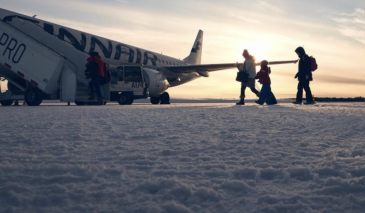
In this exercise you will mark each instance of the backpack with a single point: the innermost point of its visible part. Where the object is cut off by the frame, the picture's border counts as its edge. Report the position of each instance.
(314, 65)
(87, 72)
(107, 75)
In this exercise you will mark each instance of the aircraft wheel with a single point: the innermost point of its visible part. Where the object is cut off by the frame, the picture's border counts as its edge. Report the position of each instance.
(155, 100)
(7, 103)
(131, 101)
(165, 98)
(124, 99)
(131, 98)
(33, 97)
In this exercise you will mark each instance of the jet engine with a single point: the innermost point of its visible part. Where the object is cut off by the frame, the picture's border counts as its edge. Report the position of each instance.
(156, 82)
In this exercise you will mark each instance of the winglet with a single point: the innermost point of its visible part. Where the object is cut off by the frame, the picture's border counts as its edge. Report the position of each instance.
(196, 52)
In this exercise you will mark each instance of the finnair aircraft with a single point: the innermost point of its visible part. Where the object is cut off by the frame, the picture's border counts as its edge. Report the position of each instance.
(77, 45)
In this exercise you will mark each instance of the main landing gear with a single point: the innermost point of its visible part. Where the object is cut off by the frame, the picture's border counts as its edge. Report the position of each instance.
(126, 98)
(33, 96)
(162, 99)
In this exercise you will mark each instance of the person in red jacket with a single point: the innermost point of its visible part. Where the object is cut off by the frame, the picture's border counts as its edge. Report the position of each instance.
(95, 71)
(266, 94)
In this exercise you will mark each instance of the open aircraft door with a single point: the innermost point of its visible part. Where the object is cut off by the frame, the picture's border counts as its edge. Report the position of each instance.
(127, 84)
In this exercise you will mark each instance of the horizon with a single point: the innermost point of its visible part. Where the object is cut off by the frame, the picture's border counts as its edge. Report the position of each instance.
(331, 31)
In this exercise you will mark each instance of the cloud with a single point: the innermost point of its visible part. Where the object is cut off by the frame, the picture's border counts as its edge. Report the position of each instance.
(122, 1)
(352, 25)
(340, 80)
(264, 6)
(245, 19)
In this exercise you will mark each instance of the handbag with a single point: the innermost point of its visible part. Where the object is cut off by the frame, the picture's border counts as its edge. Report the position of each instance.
(242, 77)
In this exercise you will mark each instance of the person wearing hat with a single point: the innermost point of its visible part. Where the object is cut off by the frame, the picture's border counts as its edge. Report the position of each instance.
(304, 76)
(95, 71)
(248, 66)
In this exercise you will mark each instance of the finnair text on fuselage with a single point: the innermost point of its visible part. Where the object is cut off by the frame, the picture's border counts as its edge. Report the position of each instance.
(110, 50)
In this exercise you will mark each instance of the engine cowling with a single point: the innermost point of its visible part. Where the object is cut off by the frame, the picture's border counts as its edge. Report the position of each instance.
(156, 82)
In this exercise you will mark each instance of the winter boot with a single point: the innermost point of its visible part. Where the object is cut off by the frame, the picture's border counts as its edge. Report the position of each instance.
(310, 103)
(92, 97)
(242, 102)
(258, 103)
(100, 101)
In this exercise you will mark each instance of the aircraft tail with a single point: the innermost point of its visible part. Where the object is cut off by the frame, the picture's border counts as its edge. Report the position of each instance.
(196, 52)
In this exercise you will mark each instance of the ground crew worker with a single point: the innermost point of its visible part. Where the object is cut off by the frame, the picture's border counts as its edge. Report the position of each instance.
(95, 71)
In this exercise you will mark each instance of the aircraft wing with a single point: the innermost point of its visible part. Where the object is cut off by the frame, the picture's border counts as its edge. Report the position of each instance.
(214, 67)
(200, 67)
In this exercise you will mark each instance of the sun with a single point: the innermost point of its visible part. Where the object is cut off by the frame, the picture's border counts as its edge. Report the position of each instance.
(256, 49)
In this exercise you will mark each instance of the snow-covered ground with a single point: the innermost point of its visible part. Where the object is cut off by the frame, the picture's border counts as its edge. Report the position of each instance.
(183, 158)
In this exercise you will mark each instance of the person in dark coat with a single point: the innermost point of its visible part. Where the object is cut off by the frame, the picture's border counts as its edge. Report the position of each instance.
(95, 71)
(304, 76)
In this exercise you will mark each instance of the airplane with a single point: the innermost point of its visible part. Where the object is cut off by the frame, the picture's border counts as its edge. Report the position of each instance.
(172, 71)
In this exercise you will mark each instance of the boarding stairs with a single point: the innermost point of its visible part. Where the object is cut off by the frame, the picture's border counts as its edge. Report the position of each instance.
(52, 65)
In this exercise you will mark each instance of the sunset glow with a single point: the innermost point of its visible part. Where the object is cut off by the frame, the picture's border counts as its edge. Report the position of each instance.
(332, 31)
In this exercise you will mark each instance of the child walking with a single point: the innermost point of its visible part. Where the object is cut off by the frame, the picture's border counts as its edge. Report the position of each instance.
(266, 94)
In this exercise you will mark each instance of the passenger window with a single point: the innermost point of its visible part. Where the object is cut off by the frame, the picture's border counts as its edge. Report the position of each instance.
(128, 74)
(120, 73)
(114, 76)
(137, 75)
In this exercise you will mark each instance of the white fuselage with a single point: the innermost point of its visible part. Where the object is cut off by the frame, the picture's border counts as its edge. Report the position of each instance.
(112, 52)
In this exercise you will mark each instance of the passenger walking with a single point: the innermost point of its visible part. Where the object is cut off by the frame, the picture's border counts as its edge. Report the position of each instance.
(266, 94)
(304, 76)
(249, 67)
(95, 71)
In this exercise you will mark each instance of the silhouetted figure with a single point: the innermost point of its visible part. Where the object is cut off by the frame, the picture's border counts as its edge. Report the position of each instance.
(266, 94)
(249, 67)
(95, 71)
(304, 76)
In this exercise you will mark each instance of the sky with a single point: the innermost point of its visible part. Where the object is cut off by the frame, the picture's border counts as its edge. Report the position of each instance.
(333, 31)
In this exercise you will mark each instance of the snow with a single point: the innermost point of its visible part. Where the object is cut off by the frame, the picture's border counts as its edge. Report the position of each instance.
(196, 157)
